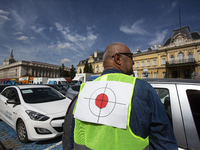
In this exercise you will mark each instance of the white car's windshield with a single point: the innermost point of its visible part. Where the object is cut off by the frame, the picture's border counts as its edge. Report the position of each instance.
(40, 95)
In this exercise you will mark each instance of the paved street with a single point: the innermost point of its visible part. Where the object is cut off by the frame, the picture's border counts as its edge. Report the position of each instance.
(8, 138)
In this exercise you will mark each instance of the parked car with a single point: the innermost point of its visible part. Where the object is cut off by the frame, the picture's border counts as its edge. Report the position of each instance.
(36, 112)
(72, 91)
(2, 86)
(62, 88)
(180, 98)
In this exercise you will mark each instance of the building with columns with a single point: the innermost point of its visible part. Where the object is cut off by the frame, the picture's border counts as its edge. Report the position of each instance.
(178, 57)
(15, 69)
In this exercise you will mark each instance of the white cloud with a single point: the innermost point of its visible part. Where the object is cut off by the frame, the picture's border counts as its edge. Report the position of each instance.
(4, 16)
(134, 29)
(65, 60)
(74, 40)
(38, 30)
(159, 37)
(22, 38)
(17, 33)
(20, 21)
(172, 6)
(51, 28)
(51, 47)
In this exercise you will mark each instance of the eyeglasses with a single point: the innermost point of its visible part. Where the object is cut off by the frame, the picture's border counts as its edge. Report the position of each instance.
(130, 55)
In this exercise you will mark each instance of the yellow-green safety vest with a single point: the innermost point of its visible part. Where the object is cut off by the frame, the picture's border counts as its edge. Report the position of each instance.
(101, 137)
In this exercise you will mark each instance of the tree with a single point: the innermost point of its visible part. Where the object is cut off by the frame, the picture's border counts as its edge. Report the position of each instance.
(63, 73)
(88, 68)
(72, 72)
(62, 70)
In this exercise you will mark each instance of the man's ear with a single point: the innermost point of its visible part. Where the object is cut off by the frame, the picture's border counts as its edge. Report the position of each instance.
(117, 59)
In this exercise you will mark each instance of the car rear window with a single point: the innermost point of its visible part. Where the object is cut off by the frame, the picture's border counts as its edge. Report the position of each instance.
(76, 88)
(163, 93)
(40, 95)
(194, 101)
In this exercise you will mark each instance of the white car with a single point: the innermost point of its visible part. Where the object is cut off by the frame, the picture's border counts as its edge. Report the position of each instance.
(36, 112)
(72, 91)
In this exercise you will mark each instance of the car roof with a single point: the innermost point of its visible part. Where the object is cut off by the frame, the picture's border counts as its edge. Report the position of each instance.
(31, 86)
(172, 81)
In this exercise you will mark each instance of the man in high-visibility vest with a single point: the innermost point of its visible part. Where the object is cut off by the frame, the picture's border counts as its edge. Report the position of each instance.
(119, 112)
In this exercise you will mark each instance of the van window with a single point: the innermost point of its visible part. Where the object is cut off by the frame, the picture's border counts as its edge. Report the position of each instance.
(163, 93)
(194, 101)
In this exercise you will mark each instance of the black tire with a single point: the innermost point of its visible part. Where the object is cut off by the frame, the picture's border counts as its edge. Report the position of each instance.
(22, 132)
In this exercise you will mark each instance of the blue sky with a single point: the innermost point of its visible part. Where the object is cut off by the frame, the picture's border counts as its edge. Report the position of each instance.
(67, 31)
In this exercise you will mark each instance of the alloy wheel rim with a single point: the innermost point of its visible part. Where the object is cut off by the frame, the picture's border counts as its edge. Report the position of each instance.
(21, 131)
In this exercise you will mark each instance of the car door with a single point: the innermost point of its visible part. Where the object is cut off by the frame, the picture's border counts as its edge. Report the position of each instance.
(170, 99)
(9, 110)
(3, 106)
(189, 96)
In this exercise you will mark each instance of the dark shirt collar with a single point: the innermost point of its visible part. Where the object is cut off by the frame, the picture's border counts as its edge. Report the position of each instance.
(112, 70)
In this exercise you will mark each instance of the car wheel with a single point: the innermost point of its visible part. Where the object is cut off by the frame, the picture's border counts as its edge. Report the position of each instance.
(21, 132)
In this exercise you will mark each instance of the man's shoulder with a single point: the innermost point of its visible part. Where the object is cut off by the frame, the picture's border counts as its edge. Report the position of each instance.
(142, 84)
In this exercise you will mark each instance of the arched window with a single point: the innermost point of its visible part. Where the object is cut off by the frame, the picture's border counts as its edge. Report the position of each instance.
(80, 71)
(97, 68)
(180, 57)
(172, 59)
(190, 57)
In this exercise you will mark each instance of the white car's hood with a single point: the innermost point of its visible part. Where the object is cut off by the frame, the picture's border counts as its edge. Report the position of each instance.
(53, 107)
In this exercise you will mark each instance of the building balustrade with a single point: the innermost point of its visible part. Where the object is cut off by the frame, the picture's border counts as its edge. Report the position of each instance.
(181, 61)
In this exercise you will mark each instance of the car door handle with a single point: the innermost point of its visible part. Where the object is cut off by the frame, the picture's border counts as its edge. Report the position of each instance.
(5, 103)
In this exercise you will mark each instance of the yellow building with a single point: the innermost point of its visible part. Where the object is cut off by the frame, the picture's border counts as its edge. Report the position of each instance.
(179, 57)
(96, 60)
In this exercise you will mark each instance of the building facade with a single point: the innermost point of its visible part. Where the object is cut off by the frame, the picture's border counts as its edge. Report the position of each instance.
(96, 60)
(15, 69)
(179, 57)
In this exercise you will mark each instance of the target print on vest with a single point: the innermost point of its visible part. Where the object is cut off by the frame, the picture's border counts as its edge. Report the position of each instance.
(102, 102)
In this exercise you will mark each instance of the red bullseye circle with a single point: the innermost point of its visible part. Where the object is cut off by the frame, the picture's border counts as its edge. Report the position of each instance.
(101, 101)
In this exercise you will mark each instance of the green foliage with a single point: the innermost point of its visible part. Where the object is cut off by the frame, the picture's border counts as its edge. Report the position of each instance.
(72, 72)
(88, 68)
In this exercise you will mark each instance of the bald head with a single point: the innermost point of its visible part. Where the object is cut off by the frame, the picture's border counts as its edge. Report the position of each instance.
(113, 59)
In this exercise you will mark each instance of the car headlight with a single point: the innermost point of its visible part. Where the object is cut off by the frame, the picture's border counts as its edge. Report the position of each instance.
(36, 116)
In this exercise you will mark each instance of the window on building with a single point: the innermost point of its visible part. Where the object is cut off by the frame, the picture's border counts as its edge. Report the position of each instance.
(80, 71)
(163, 61)
(154, 62)
(164, 75)
(138, 75)
(190, 57)
(180, 57)
(148, 63)
(137, 64)
(199, 56)
(149, 75)
(97, 67)
(155, 75)
(142, 63)
(172, 59)
(32, 72)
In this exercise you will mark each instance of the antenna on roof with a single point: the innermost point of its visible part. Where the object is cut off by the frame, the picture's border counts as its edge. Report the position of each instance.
(180, 17)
